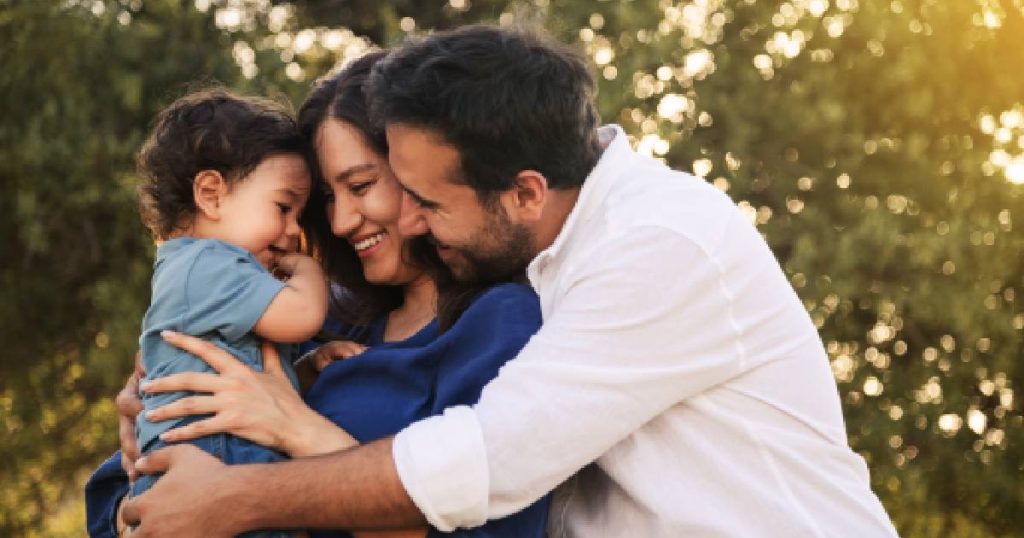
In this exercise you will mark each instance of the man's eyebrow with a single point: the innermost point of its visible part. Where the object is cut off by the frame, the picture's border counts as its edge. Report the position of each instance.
(419, 199)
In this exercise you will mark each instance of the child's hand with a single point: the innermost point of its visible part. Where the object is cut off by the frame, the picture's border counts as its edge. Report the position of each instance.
(333, 351)
(309, 366)
(288, 264)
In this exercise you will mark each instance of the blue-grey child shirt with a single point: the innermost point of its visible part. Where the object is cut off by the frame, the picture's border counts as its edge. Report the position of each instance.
(209, 289)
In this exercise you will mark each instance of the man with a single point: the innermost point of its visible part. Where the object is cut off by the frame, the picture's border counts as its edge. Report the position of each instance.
(676, 388)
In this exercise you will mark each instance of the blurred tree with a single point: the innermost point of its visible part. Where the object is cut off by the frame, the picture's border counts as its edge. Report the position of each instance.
(80, 84)
(877, 145)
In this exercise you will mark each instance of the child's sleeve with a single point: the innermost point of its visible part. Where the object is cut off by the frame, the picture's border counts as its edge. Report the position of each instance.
(226, 293)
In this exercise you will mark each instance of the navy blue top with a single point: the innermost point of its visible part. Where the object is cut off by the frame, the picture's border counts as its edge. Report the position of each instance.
(394, 384)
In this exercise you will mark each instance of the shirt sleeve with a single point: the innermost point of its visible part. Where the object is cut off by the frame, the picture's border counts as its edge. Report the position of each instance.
(641, 326)
(227, 293)
(103, 492)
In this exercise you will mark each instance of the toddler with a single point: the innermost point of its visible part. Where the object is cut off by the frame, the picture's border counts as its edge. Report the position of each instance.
(226, 180)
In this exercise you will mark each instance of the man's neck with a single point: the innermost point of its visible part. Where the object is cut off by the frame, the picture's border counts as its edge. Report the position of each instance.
(560, 204)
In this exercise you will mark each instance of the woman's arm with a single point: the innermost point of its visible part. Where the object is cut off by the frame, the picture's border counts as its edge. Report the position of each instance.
(261, 407)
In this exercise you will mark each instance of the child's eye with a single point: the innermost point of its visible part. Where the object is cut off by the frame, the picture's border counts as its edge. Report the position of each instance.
(284, 207)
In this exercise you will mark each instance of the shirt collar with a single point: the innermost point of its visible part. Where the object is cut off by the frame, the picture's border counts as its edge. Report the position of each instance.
(170, 247)
(592, 194)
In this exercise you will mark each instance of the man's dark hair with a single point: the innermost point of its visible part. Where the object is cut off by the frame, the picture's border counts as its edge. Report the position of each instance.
(211, 129)
(507, 100)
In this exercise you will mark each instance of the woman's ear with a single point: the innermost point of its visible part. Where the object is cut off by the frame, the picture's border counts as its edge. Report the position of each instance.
(525, 200)
(208, 189)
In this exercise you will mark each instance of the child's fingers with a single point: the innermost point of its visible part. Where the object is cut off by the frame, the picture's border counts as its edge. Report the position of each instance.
(321, 360)
(336, 350)
(342, 349)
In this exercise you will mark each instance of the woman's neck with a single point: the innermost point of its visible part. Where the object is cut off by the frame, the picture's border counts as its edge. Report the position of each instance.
(419, 307)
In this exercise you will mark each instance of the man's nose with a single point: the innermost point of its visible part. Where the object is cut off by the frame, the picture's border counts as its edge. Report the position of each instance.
(411, 221)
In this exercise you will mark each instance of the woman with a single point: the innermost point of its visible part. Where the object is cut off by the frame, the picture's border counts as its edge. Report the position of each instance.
(415, 344)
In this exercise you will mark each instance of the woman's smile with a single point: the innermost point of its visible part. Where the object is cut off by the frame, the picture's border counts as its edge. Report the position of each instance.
(366, 245)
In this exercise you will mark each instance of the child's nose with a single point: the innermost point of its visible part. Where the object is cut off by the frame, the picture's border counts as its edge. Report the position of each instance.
(293, 230)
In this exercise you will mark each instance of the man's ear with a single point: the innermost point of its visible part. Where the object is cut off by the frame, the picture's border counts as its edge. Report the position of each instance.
(208, 189)
(525, 201)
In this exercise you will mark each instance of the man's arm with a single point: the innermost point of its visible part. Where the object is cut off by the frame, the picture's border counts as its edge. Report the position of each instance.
(617, 349)
(200, 496)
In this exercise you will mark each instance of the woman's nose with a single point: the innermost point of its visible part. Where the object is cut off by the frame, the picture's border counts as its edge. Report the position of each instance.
(344, 218)
(411, 221)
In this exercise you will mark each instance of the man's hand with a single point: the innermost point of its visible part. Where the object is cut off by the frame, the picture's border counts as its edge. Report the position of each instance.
(128, 407)
(184, 502)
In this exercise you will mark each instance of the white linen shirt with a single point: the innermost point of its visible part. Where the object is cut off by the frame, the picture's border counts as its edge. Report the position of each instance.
(677, 380)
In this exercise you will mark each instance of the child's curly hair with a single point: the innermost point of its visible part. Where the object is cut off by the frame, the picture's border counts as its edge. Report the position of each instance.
(210, 129)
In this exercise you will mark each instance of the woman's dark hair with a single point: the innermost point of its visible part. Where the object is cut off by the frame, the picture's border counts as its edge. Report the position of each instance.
(341, 96)
(507, 99)
(210, 129)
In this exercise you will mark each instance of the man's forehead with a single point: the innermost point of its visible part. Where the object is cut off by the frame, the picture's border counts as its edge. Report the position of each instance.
(420, 158)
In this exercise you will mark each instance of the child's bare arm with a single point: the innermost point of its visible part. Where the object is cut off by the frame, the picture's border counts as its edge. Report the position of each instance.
(298, 310)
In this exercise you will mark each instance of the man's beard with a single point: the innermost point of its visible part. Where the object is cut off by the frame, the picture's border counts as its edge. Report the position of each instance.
(499, 253)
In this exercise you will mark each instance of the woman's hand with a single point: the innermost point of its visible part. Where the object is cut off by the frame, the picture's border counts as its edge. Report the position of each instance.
(128, 406)
(261, 407)
(309, 366)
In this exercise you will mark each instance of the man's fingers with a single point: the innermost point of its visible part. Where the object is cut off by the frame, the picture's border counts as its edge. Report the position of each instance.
(189, 381)
(192, 405)
(156, 462)
(127, 400)
(140, 369)
(218, 359)
(160, 460)
(131, 511)
(128, 464)
(129, 446)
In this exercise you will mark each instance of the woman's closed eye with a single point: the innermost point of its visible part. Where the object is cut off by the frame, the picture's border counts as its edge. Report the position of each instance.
(359, 187)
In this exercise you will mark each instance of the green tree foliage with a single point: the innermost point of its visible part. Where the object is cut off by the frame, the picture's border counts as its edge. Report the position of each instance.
(876, 144)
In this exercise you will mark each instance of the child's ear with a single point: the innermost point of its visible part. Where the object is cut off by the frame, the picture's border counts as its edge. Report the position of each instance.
(208, 189)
